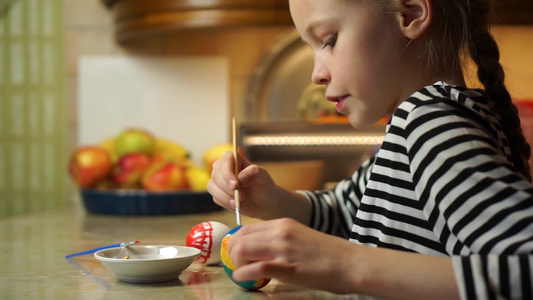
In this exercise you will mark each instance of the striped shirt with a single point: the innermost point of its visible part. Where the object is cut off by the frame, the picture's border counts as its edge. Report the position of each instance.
(442, 184)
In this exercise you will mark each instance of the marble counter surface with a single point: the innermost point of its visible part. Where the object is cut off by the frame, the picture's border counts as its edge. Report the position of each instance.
(33, 264)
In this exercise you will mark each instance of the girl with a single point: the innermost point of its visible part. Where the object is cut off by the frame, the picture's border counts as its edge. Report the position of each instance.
(451, 180)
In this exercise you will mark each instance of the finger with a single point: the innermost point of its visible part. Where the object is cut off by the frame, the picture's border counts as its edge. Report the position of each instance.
(223, 173)
(244, 252)
(227, 169)
(271, 229)
(256, 175)
(220, 197)
(255, 230)
(263, 269)
(247, 175)
(222, 186)
(256, 241)
(243, 161)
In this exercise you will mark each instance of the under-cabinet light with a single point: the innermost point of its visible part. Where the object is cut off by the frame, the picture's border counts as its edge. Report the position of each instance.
(313, 140)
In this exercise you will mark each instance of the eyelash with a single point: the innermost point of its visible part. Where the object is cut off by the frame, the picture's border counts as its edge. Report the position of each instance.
(330, 42)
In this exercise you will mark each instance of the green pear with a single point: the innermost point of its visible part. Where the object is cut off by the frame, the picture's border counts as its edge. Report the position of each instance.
(134, 140)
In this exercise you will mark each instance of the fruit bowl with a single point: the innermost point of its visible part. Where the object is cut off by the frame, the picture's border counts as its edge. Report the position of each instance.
(141, 202)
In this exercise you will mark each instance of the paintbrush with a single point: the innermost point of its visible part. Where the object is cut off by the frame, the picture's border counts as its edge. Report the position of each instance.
(236, 192)
(122, 245)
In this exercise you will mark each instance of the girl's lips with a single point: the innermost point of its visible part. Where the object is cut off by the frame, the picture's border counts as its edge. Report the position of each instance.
(340, 102)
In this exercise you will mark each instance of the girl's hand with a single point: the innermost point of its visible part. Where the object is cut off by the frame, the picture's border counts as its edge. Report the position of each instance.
(293, 253)
(256, 187)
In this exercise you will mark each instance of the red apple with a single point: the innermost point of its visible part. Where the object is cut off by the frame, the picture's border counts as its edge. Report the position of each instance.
(165, 177)
(164, 157)
(89, 165)
(135, 140)
(130, 169)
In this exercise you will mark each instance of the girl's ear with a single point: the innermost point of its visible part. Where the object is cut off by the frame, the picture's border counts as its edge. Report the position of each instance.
(415, 17)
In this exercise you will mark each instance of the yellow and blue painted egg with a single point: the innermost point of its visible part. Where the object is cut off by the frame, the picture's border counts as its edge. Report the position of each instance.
(229, 266)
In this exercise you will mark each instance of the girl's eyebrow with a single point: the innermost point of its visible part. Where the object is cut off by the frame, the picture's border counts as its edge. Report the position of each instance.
(317, 23)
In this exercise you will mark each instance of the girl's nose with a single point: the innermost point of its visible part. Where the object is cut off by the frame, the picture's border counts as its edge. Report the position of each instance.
(320, 74)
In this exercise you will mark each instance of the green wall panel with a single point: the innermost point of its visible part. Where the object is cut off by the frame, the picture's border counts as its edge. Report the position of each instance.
(32, 107)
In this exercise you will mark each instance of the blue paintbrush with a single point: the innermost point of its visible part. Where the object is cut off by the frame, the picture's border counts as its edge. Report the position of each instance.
(101, 248)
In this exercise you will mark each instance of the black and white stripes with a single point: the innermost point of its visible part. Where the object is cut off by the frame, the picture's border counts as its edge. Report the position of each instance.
(442, 184)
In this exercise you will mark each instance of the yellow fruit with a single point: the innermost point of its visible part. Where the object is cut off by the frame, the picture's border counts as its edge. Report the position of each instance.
(109, 145)
(198, 178)
(215, 153)
(176, 150)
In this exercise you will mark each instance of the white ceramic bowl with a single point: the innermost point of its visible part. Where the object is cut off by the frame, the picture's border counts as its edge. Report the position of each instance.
(147, 263)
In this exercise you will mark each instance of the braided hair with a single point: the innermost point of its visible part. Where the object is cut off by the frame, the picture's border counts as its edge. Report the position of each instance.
(460, 32)
(477, 43)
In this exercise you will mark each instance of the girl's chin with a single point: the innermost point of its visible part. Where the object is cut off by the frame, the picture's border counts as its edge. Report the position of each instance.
(359, 122)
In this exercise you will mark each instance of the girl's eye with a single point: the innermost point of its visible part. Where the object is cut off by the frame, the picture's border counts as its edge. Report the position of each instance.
(330, 42)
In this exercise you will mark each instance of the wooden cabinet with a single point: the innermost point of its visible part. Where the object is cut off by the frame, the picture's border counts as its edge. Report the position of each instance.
(514, 12)
(135, 18)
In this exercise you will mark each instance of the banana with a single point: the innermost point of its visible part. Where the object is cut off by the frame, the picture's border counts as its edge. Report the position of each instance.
(109, 145)
(214, 153)
(198, 178)
(164, 145)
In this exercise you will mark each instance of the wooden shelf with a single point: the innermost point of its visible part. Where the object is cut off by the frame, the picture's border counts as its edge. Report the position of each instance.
(136, 18)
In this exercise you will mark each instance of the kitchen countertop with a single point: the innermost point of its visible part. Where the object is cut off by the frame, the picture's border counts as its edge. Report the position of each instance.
(33, 247)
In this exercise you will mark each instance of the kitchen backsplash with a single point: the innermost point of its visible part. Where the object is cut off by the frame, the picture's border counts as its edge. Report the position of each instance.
(183, 99)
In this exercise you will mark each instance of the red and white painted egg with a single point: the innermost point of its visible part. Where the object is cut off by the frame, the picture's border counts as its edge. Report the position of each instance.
(207, 236)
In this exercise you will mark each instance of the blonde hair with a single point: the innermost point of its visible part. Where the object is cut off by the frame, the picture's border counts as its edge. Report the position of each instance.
(460, 31)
